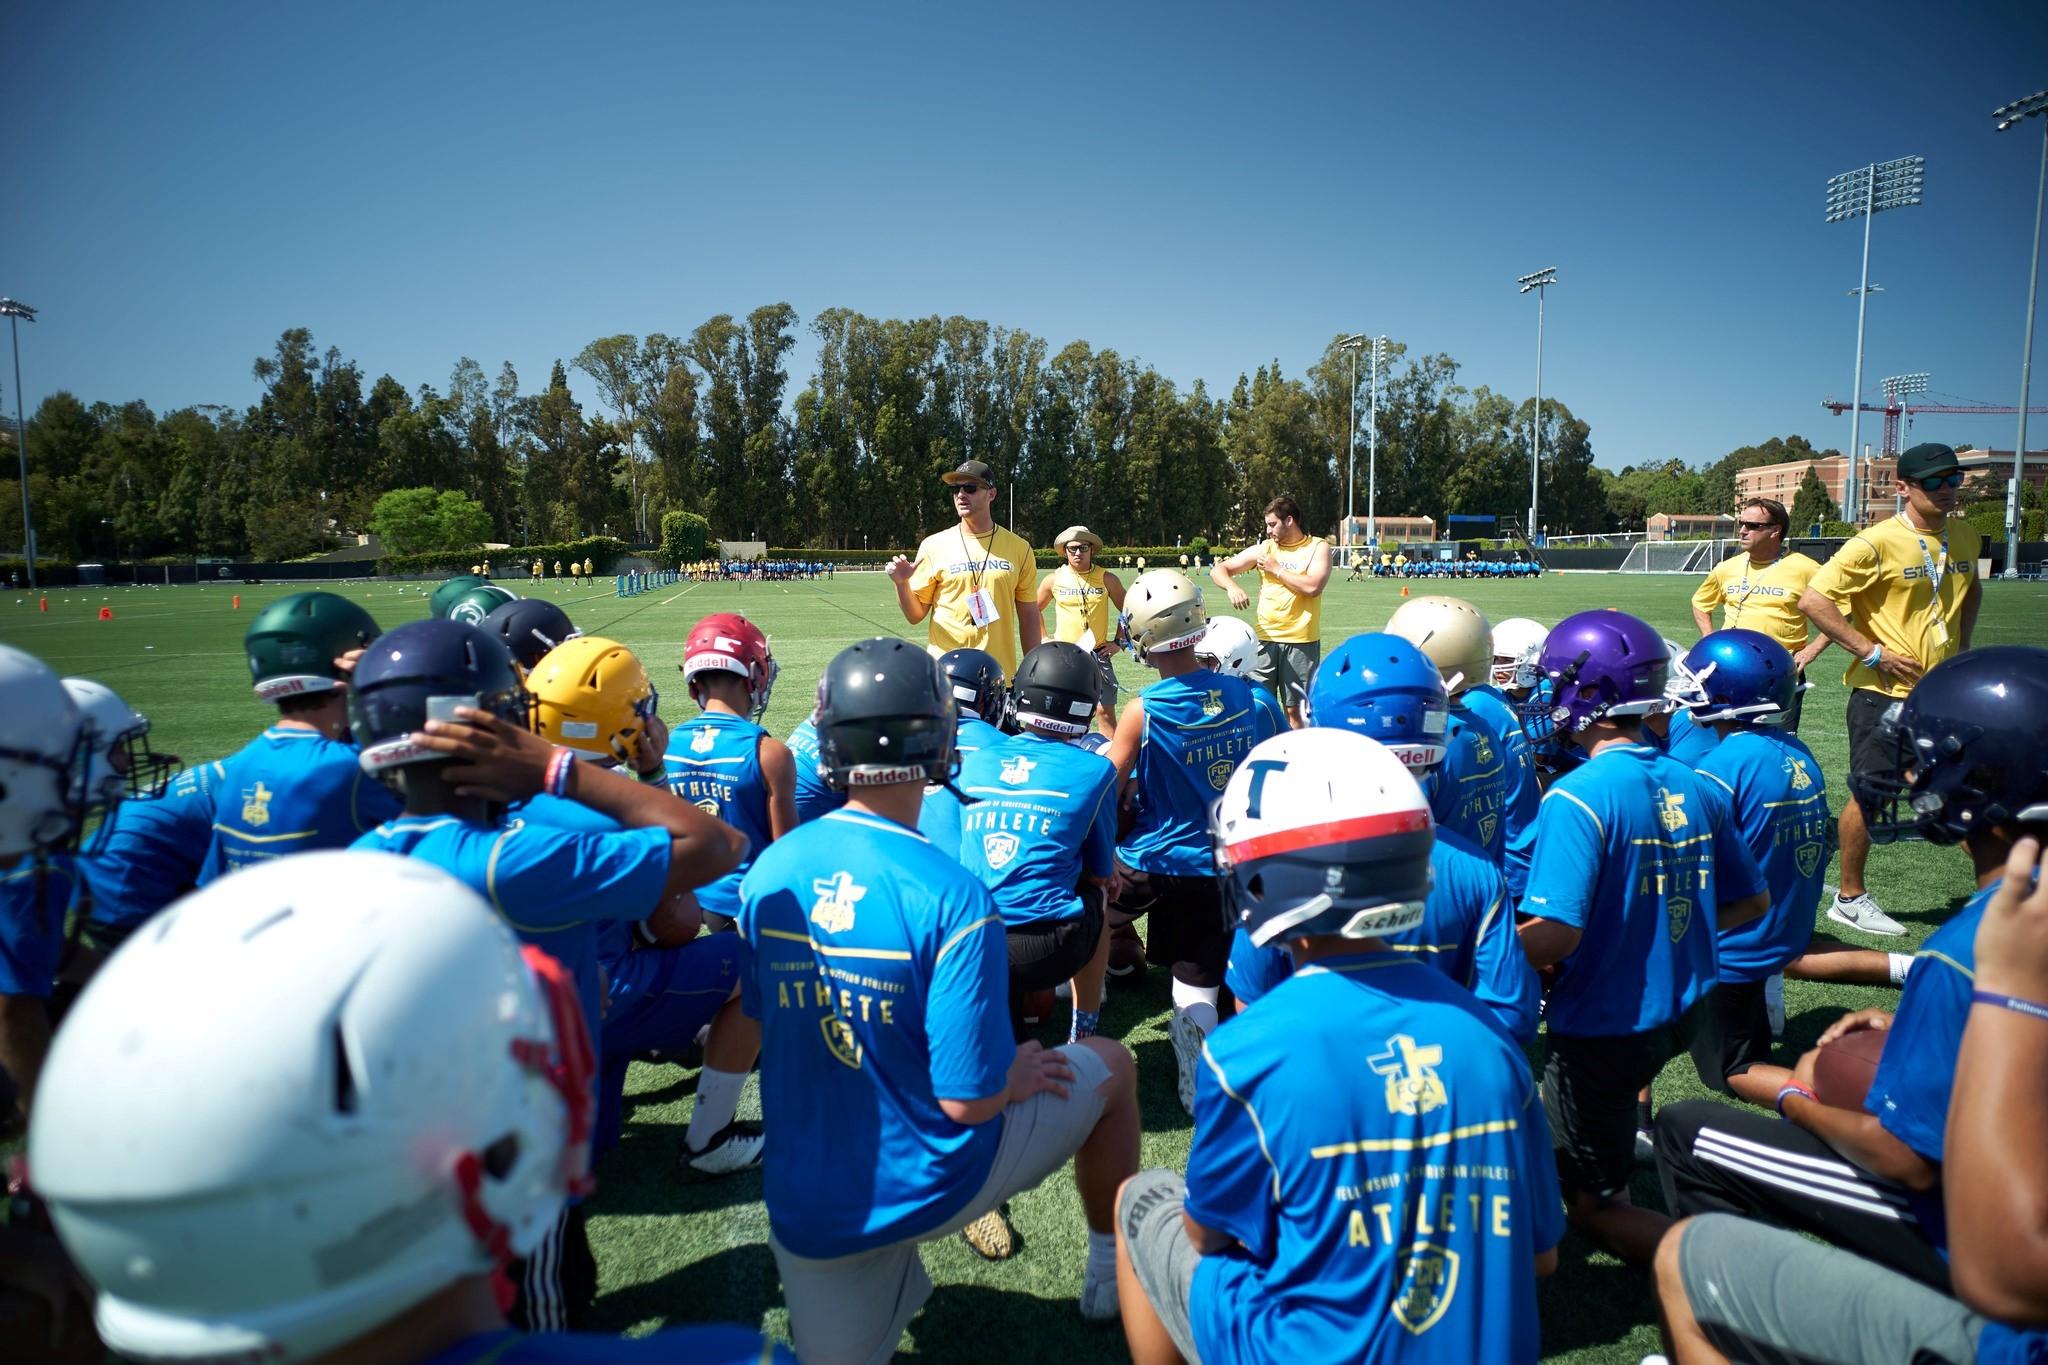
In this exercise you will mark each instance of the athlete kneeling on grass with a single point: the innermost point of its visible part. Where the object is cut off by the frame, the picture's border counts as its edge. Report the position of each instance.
(1330, 1213)
(373, 1097)
(879, 973)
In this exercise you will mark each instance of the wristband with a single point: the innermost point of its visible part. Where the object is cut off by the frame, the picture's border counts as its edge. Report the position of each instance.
(1794, 1088)
(2030, 1008)
(645, 934)
(1871, 659)
(557, 781)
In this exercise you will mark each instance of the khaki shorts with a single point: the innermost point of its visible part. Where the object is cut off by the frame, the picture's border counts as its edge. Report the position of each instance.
(854, 1309)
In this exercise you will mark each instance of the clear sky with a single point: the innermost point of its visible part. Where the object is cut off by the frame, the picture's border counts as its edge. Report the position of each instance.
(1202, 187)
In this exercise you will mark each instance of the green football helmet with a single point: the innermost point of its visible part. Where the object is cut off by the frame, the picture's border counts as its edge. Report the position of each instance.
(472, 607)
(293, 643)
(445, 595)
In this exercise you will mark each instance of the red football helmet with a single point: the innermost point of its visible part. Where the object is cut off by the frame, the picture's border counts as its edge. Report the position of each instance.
(728, 642)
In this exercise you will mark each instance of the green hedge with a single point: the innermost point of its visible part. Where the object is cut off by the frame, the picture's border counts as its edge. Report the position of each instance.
(1155, 556)
(507, 564)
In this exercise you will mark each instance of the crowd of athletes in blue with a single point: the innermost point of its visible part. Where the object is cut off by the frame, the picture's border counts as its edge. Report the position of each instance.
(362, 994)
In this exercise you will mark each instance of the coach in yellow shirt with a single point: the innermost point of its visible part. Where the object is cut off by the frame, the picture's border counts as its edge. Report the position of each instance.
(1294, 568)
(1760, 589)
(1900, 597)
(1084, 592)
(971, 581)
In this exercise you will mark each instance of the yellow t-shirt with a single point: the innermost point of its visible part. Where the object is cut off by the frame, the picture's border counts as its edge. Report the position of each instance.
(1083, 602)
(1765, 599)
(1880, 580)
(1284, 615)
(951, 564)
(589, 568)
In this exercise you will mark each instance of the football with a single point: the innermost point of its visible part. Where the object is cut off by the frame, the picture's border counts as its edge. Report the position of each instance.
(1843, 1071)
(1126, 951)
(1038, 1006)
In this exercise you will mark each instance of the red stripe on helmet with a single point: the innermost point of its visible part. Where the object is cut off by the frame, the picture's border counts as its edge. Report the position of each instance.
(1334, 832)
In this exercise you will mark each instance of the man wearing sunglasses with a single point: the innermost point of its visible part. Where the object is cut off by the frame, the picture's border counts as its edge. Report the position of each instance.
(970, 582)
(1085, 592)
(1760, 590)
(1900, 597)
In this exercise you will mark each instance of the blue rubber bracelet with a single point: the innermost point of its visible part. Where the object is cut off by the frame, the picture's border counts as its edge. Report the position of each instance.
(2032, 1009)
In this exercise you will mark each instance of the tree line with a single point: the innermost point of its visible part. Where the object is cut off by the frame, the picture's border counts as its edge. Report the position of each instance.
(705, 423)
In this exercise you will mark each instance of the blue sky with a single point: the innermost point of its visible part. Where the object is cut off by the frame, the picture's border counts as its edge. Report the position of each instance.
(1203, 187)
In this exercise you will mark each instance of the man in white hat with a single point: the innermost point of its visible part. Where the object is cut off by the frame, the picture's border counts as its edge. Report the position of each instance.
(1085, 593)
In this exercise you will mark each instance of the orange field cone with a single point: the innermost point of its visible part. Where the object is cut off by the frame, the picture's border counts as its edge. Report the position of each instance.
(106, 613)
(1404, 592)
(238, 603)
(45, 605)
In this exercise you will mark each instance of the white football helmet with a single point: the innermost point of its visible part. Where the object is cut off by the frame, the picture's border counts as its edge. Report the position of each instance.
(42, 757)
(1517, 644)
(1231, 647)
(1323, 832)
(1163, 610)
(1452, 632)
(313, 1094)
(117, 729)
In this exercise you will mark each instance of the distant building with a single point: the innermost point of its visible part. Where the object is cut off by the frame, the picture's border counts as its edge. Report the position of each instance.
(1392, 530)
(1991, 470)
(1690, 526)
(1984, 470)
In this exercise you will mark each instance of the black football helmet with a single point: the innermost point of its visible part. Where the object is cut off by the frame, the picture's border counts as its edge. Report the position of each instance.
(1054, 691)
(1973, 745)
(976, 679)
(885, 715)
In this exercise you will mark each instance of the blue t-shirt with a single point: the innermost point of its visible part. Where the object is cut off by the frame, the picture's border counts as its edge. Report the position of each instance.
(880, 975)
(1687, 740)
(974, 733)
(291, 790)
(151, 851)
(32, 924)
(1780, 799)
(1198, 728)
(1468, 795)
(553, 886)
(1636, 852)
(714, 762)
(1524, 792)
(714, 1345)
(1467, 933)
(1044, 812)
(1395, 1217)
(813, 797)
(1269, 706)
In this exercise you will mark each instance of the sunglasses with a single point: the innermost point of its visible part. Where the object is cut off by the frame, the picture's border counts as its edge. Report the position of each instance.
(1754, 525)
(1936, 482)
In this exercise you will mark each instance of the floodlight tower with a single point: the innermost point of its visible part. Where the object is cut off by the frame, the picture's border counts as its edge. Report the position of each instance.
(2009, 115)
(16, 313)
(1351, 343)
(1380, 347)
(1538, 281)
(1865, 193)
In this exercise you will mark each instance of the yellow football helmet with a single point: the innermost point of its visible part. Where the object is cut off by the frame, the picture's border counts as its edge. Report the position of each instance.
(592, 695)
(1452, 633)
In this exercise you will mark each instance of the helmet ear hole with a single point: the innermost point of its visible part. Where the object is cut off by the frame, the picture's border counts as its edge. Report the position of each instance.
(501, 1156)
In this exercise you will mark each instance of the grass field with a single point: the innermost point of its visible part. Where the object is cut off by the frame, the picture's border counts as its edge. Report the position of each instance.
(671, 1253)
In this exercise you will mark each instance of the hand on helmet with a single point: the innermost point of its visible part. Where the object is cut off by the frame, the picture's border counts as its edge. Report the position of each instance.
(489, 757)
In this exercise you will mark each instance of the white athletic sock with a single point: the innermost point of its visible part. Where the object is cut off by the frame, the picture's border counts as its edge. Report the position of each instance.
(1901, 963)
(1101, 1254)
(1198, 1003)
(718, 1098)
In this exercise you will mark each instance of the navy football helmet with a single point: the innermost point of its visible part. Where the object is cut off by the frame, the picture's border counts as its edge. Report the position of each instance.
(976, 679)
(417, 672)
(1973, 747)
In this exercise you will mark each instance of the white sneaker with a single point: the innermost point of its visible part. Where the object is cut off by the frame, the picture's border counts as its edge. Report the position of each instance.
(735, 1147)
(1774, 1003)
(1861, 912)
(1187, 1055)
(1099, 1298)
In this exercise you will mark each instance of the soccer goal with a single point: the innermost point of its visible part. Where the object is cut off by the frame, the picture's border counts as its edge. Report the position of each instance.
(1676, 556)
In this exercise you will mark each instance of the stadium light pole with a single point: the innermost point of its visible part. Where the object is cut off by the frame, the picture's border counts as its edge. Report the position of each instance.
(1865, 193)
(1380, 346)
(2008, 116)
(1351, 343)
(1538, 281)
(14, 311)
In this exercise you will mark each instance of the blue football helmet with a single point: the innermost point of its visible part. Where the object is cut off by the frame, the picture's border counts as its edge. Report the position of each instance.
(1384, 688)
(1739, 675)
(976, 680)
(420, 672)
(1972, 746)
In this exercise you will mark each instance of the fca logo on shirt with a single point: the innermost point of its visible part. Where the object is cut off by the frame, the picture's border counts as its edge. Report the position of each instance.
(1017, 770)
(837, 895)
(701, 742)
(1482, 747)
(1413, 1086)
(1212, 705)
(256, 805)
(1671, 810)
(1797, 767)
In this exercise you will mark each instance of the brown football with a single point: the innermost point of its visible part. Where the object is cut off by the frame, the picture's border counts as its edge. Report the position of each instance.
(1038, 1006)
(1843, 1071)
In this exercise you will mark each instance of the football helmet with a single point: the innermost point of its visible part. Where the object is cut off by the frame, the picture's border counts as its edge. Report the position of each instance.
(1231, 648)
(416, 670)
(1054, 692)
(120, 763)
(372, 1092)
(885, 715)
(1384, 688)
(1971, 743)
(975, 677)
(728, 642)
(293, 643)
(473, 606)
(1453, 633)
(1741, 675)
(529, 628)
(452, 588)
(1596, 664)
(1517, 642)
(1163, 610)
(591, 695)
(44, 751)
(1323, 832)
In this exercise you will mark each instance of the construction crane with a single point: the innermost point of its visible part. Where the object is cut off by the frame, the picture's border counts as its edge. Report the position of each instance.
(1893, 410)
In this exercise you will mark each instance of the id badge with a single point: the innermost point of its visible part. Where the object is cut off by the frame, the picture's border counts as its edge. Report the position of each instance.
(981, 606)
(1940, 632)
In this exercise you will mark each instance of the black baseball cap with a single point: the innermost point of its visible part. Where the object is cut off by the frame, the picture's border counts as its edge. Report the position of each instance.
(972, 471)
(1926, 460)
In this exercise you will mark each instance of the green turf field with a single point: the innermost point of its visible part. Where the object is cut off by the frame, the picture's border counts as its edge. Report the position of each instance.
(674, 1253)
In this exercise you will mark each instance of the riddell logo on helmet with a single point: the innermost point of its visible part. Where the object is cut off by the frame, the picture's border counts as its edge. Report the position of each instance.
(872, 776)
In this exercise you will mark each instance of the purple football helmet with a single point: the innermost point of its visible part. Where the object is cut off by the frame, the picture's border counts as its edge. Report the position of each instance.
(1597, 664)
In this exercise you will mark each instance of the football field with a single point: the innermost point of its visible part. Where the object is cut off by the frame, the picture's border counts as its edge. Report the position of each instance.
(670, 1252)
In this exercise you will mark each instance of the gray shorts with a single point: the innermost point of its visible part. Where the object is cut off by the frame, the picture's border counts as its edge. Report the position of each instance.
(855, 1308)
(1287, 668)
(1767, 1295)
(1148, 1220)
(1105, 682)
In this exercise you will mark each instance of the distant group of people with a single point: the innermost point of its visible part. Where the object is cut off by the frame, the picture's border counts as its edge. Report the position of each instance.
(1395, 563)
(761, 570)
(537, 571)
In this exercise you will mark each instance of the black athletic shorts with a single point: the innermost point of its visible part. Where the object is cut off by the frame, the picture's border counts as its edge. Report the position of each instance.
(1184, 928)
(1734, 1033)
(1871, 752)
(1589, 1094)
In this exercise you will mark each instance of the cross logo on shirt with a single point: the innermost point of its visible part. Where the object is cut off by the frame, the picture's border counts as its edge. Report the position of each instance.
(1797, 767)
(256, 805)
(702, 740)
(837, 895)
(1413, 1087)
(1017, 770)
(1671, 810)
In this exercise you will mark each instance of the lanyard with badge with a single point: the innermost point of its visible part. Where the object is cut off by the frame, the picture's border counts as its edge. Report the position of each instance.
(1934, 577)
(981, 603)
